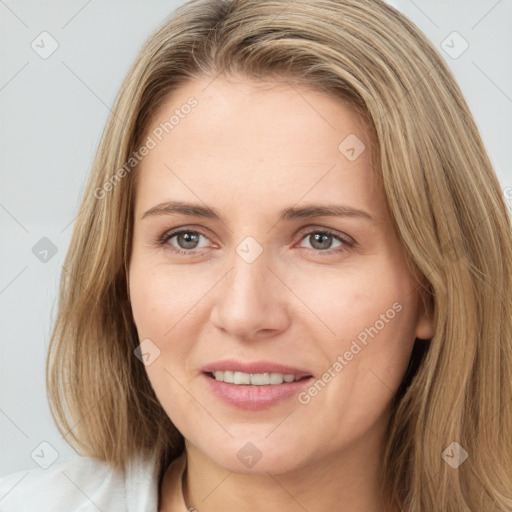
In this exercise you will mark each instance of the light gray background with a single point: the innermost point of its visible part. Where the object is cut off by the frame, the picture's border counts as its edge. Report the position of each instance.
(52, 115)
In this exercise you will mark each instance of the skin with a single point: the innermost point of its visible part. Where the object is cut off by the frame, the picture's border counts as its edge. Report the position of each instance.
(248, 152)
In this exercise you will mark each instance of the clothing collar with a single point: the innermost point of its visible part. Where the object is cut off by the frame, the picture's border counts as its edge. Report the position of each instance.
(142, 485)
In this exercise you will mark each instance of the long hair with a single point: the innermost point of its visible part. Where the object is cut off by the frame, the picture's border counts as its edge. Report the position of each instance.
(446, 204)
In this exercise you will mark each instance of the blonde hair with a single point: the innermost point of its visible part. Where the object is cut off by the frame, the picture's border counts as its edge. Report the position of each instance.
(442, 192)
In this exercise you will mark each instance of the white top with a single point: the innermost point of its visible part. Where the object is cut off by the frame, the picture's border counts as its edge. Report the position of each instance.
(87, 484)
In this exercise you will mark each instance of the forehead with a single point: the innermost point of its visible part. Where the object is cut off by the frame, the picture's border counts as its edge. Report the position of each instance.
(256, 141)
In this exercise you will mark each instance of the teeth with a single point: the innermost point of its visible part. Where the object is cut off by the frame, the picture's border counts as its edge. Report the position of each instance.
(256, 379)
(241, 378)
(278, 378)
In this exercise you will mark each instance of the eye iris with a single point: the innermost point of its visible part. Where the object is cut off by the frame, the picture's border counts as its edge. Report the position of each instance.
(188, 238)
(321, 238)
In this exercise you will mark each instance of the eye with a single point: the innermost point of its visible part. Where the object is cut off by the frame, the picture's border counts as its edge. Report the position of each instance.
(321, 240)
(187, 240)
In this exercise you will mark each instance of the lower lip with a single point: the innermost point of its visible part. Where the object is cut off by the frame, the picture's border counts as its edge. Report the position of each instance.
(253, 397)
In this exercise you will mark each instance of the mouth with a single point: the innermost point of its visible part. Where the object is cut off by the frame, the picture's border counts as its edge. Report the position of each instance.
(256, 385)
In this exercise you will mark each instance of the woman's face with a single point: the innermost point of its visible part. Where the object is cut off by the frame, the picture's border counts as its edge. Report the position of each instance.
(286, 265)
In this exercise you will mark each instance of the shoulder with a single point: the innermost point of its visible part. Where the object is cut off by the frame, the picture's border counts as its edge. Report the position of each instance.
(84, 484)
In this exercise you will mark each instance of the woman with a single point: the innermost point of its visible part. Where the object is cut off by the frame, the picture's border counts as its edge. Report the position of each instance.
(289, 284)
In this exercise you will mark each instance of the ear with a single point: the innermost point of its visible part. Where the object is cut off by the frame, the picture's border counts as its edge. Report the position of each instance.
(425, 322)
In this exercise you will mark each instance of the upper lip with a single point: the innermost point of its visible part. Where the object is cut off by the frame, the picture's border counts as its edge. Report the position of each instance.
(254, 367)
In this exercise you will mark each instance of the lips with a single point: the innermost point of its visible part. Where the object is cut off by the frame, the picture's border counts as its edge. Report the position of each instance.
(250, 396)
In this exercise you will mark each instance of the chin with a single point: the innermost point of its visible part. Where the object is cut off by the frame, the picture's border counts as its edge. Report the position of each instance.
(258, 457)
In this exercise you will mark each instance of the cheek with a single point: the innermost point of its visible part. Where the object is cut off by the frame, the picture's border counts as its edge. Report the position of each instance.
(371, 317)
(162, 296)
(168, 306)
(377, 301)
(162, 304)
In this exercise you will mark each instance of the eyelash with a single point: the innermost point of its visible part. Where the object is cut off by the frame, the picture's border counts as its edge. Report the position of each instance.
(164, 239)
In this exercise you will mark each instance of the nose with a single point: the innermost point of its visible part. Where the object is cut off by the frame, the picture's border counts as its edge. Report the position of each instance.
(251, 301)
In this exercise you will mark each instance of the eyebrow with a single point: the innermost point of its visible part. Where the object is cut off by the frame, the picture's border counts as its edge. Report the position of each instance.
(290, 213)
